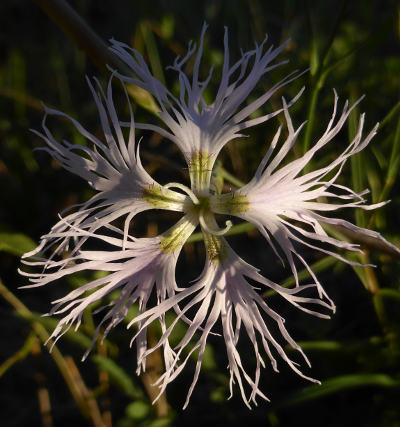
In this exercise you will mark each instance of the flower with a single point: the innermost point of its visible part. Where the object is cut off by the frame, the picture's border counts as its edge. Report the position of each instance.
(279, 201)
(114, 169)
(199, 129)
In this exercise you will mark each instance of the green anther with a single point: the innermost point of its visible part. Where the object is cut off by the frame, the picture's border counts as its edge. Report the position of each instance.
(215, 248)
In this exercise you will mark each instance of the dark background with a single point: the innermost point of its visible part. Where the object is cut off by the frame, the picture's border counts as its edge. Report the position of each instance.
(355, 355)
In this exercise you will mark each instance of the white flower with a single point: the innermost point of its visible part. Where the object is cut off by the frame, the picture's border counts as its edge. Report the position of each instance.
(199, 129)
(222, 293)
(142, 265)
(279, 201)
(112, 168)
(277, 195)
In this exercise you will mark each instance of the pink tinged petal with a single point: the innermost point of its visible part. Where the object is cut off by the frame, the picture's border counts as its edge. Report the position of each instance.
(278, 195)
(269, 178)
(221, 292)
(146, 265)
(194, 125)
(113, 168)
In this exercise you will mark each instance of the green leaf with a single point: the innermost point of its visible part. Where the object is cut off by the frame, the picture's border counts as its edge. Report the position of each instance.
(15, 243)
(320, 345)
(118, 376)
(321, 265)
(337, 384)
(50, 324)
(138, 410)
(357, 161)
(144, 99)
(390, 293)
(390, 116)
(160, 422)
(167, 27)
(20, 355)
(152, 50)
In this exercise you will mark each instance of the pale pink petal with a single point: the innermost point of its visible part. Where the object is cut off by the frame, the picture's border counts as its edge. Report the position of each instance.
(112, 167)
(283, 203)
(144, 267)
(194, 125)
(223, 295)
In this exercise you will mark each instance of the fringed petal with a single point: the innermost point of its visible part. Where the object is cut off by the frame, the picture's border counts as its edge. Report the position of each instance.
(284, 205)
(144, 267)
(112, 167)
(194, 125)
(223, 294)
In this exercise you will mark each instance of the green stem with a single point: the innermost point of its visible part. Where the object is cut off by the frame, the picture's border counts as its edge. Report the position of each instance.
(388, 118)
(82, 35)
(86, 407)
(236, 229)
(230, 178)
(333, 32)
(310, 116)
(77, 29)
(318, 72)
(321, 265)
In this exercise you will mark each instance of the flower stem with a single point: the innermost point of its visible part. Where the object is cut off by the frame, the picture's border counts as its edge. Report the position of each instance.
(83, 36)
(77, 29)
(154, 369)
(87, 406)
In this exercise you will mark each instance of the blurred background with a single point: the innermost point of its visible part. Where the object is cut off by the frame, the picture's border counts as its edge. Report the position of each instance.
(352, 46)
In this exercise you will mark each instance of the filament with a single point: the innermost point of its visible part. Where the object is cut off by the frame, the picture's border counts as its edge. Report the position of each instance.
(215, 232)
(187, 190)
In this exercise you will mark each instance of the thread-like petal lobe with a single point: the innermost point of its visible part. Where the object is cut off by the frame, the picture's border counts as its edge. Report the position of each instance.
(284, 204)
(223, 294)
(131, 275)
(112, 167)
(194, 125)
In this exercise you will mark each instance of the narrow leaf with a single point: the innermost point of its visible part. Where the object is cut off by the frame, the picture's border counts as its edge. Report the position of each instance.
(338, 384)
(15, 243)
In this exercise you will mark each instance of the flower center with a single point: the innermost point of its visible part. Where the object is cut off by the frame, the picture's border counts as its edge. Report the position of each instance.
(201, 206)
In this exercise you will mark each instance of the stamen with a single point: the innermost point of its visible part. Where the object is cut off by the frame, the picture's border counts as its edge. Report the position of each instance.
(187, 190)
(215, 232)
